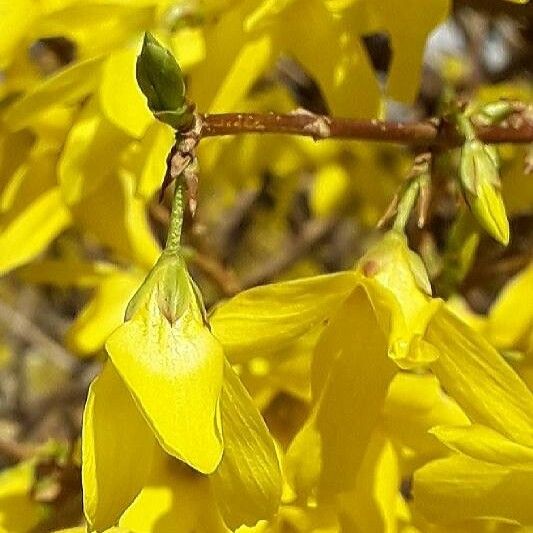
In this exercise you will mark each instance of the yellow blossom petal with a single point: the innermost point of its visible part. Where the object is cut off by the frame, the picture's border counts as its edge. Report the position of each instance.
(174, 370)
(416, 403)
(154, 149)
(357, 383)
(118, 220)
(459, 488)
(65, 87)
(511, 315)
(119, 85)
(18, 511)
(104, 313)
(175, 499)
(117, 448)
(478, 378)
(262, 320)
(485, 444)
(86, 160)
(247, 482)
(372, 505)
(29, 233)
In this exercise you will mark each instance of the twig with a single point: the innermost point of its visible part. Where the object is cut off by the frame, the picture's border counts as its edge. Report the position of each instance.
(432, 132)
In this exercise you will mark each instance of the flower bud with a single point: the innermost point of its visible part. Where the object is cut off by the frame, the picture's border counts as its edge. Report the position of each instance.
(480, 182)
(161, 81)
(170, 287)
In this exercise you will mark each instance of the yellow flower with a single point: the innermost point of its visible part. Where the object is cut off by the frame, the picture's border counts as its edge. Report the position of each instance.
(369, 319)
(167, 390)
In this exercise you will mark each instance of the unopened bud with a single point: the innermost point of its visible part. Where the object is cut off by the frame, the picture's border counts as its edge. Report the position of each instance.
(168, 286)
(161, 81)
(480, 182)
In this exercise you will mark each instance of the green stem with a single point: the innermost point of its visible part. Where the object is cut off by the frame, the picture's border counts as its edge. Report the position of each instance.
(405, 206)
(466, 127)
(173, 244)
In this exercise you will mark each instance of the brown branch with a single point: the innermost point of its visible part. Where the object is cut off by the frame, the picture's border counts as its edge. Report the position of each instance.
(432, 132)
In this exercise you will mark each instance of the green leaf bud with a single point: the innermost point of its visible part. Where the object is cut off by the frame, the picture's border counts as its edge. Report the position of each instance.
(161, 81)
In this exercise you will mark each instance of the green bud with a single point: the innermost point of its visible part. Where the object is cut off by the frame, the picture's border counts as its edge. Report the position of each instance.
(170, 287)
(495, 112)
(161, 81)
(480, 182)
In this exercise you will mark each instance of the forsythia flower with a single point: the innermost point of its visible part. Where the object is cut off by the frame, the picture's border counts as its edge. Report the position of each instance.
(167, 387)
(369, 319)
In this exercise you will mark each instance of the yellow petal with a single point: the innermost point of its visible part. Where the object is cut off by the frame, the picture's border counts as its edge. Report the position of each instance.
(415, 404)
(357, 383)
(334, 57)
(478, 378)
(18, 511)
(372, 505)
(175, 373)
(511, 315)
(95, 27)
(460, 488)
(118, 86)
(247, 483)
(65, 87)
(86, 160)
(32, 230)
(104, 313)
(15, 20)
(485, 444)
(155, 147)
(233, 63)
(118, 220)
(175, 499)
(117, 448)
(408, 41)
(303, 460)
(262, 320)
(68, 272)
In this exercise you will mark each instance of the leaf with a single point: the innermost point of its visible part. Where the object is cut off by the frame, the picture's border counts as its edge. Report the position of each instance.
(260, 321)
(117, 449)
(247, 483)
(357, 383)
(478, 378)
(174, 371)
(65, 87)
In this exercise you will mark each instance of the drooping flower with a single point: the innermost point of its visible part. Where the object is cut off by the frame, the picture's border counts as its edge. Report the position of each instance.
(167, 398)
